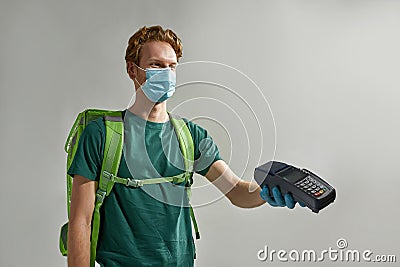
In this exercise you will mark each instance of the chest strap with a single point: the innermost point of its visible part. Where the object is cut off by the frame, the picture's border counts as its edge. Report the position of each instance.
(177, 179)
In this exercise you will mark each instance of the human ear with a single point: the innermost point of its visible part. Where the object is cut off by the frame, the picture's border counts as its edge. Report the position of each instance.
(131, 69)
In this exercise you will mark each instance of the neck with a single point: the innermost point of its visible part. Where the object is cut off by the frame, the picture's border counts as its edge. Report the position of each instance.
(147, 110)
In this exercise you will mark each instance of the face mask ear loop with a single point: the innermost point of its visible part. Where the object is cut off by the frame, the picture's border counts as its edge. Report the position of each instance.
(139, 67)
(140, 85)
(138, 82)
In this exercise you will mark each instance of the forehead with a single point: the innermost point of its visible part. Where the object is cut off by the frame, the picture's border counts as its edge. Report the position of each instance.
(160, 51)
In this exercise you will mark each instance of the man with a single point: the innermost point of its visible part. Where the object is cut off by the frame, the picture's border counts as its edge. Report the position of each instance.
(137, 228)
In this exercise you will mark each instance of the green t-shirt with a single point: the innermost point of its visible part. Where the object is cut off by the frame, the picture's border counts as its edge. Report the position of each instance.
(151, 225)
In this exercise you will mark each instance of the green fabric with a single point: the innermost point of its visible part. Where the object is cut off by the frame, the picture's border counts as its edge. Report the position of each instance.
(150, 225)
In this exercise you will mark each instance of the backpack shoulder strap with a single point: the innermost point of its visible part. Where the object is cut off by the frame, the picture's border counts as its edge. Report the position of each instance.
(112, 156)
(112, 149)
(187, 147)
(186, 144)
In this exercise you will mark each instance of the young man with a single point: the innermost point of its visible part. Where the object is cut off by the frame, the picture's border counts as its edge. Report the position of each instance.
(139, 226)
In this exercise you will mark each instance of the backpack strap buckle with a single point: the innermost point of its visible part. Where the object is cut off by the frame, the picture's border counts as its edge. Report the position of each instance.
(100, 195)
(135, 183)
(108, 176)
(176, 179)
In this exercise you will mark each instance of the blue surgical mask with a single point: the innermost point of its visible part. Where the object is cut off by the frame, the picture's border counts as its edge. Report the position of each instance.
(159, 84)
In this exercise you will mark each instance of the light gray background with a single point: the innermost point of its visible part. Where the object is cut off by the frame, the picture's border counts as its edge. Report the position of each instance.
(329, 69)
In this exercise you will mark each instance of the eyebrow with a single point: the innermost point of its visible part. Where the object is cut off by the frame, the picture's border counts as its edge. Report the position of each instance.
(161, 61)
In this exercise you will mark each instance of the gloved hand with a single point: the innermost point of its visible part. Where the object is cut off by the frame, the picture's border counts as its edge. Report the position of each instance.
(277, 200)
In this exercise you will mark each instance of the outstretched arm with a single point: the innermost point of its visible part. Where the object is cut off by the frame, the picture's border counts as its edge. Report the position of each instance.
(241, 193)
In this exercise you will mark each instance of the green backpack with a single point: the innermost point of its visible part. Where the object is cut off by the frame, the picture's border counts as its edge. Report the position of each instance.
(114, 141)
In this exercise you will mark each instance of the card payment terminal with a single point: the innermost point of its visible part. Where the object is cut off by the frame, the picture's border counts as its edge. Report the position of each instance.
(305, 186)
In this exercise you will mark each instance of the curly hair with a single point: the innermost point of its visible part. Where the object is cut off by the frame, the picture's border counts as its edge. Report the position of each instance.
(153, 33)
